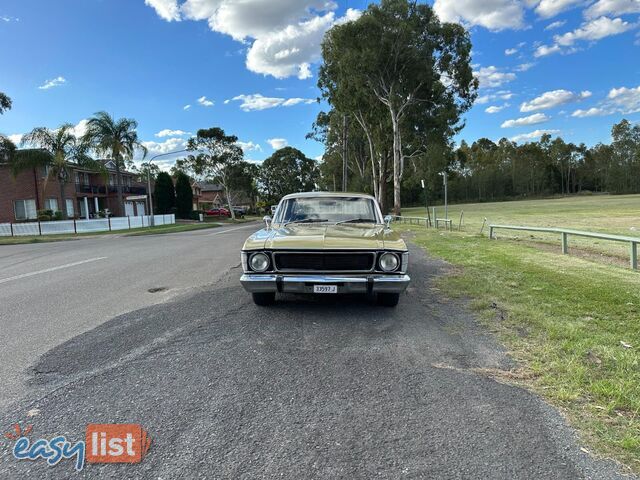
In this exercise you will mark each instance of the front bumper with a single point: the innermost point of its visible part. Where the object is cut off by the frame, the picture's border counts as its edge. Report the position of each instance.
(295, 283)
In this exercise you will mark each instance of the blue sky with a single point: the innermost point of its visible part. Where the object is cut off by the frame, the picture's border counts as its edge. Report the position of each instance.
(568, 67)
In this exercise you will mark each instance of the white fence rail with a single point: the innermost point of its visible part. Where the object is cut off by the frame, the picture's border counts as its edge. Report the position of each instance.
(83, 226)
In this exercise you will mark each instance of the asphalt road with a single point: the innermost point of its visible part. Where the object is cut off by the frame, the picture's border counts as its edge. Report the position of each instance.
(330, 387)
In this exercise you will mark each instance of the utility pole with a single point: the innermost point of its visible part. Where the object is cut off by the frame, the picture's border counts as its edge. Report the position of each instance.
(344, 153)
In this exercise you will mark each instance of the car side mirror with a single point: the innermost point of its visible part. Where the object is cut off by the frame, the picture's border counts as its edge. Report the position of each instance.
(387, 220)
(267, 221)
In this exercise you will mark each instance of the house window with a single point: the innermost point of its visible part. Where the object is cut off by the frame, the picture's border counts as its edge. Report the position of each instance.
(70, 210)
(45, 171)
(112, 180)
(51, 204)
(25, 209)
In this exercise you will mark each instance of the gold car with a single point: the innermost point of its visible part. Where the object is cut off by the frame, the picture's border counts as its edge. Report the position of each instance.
(326, 243)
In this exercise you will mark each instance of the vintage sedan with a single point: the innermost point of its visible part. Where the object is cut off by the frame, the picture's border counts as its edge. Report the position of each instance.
(326, 243)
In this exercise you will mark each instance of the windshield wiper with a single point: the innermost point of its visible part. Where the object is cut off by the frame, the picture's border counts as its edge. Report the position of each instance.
(306, 220)
(357, 220)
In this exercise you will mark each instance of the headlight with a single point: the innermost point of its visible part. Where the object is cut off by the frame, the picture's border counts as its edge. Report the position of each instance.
(389, 262)
(259, 262)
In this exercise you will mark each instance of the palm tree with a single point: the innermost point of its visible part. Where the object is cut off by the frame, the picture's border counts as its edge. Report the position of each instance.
(117, 139)
(55, 149)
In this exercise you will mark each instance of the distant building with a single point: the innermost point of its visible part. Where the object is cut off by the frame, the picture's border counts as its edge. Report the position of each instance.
(211, 195)
(85, 194)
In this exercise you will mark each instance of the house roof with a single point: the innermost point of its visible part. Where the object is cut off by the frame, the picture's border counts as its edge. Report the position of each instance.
(210, 187)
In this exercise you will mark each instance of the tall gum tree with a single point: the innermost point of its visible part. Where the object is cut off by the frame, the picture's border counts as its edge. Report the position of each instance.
(399, 55)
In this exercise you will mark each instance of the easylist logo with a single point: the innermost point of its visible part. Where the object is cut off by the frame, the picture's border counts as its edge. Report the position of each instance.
(104, 443)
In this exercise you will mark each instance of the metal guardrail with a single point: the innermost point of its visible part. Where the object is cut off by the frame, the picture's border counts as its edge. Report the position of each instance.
(411, 220)
(564, 236)
(448, 223)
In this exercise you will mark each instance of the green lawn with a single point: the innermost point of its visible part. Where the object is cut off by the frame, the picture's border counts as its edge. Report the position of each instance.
(573, 324)
(617, 214)
(133, 232)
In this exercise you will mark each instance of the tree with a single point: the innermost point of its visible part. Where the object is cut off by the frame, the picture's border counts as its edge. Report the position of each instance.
(5, 103)
(288, 170)
(55, 150)
(118, 140)
(184, 196)
(417, 68)
(218, 154)
(164, 193)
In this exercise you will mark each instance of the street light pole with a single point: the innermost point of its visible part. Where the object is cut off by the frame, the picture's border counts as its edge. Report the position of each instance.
(149, 181)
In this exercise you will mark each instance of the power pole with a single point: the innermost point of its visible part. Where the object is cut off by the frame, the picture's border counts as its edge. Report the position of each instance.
(344, 153)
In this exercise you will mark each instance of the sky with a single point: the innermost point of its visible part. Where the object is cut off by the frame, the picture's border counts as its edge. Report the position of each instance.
(566, 67)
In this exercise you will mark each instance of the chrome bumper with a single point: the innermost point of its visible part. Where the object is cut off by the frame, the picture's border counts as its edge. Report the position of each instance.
(268, 282)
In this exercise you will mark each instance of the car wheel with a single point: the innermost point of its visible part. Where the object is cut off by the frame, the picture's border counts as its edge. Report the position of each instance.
(264, 299)
(388, 299)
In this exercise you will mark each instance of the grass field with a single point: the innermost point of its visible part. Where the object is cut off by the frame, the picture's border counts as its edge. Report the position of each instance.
(616, 214)
(572, 323)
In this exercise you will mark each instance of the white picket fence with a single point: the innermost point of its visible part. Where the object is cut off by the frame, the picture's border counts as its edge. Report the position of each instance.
(83, 226)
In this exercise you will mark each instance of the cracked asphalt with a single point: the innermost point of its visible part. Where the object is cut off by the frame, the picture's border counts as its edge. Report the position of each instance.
(313, 387)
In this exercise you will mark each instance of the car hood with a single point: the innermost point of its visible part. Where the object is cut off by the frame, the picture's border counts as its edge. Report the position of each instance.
(326, 237)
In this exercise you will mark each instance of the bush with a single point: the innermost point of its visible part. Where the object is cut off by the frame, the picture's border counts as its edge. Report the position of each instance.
(184, 196)
(195, 214)
(58, 215)
(45, 215)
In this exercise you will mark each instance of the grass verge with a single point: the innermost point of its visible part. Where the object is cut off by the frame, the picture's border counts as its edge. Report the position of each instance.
(573, 325)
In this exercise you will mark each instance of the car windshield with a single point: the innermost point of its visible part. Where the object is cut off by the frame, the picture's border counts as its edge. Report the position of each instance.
(327, 209)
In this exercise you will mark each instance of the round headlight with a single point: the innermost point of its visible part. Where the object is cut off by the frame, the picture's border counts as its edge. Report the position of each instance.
(389, 262)
(259, 262)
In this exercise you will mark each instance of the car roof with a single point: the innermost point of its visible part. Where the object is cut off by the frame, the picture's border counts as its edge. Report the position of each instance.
(327, 195)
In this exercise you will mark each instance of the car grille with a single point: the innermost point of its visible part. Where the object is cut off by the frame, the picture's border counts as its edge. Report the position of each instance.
(325, 262)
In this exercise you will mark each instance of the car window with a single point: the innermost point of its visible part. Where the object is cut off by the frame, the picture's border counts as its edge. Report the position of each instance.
(326, 209)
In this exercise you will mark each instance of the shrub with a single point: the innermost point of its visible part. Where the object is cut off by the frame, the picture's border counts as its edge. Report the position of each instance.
(184, 196)
(165, 195)
(58, 215)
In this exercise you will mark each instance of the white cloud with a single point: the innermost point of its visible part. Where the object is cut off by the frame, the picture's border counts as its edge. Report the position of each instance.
(54, 82)
(501, 95)
(16, 138)
(491, 77)
(6, 18)
(555, 25)
(496, 108)
(553, 99)
(171, 133)
(594, 30)
(591, 112)
(277, 143)
(250, 146)
(551, 8)
(80, 128)
(530, 120)
(167, 146)
(523, 67)
(284, 35)
(612, 7)
(167, 9)
(186, 107)
(544, 50)
(523, 137)
(260, 102)
(621, 100)
(510, 51)
(491, 14)
(589, 31)
(205, 102)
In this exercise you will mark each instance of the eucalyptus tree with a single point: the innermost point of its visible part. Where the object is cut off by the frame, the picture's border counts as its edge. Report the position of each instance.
(214, 158)
(399, 54)
(57, 151)
(5, 103)
(118, 140)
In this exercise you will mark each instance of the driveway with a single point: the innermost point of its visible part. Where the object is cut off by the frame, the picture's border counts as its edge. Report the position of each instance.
(327, 387)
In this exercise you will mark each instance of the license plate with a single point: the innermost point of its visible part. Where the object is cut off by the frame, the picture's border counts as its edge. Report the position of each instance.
(325, 289)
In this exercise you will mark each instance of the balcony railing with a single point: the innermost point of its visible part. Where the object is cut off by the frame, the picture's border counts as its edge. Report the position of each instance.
(86, 188)
(129, 190)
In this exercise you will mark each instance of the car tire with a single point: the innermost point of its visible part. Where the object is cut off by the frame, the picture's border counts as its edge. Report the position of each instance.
(388, 299)
(264, 299)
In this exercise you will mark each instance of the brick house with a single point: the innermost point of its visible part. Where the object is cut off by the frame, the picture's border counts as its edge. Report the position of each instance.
(85, 194)
(211, 195)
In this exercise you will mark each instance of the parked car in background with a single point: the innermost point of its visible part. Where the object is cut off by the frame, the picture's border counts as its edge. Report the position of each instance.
(218, 212)
(239, 211)
(326, 243)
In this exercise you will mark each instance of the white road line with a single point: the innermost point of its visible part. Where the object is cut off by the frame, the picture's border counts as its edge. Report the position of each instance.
(52, 269)
(230, 230)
